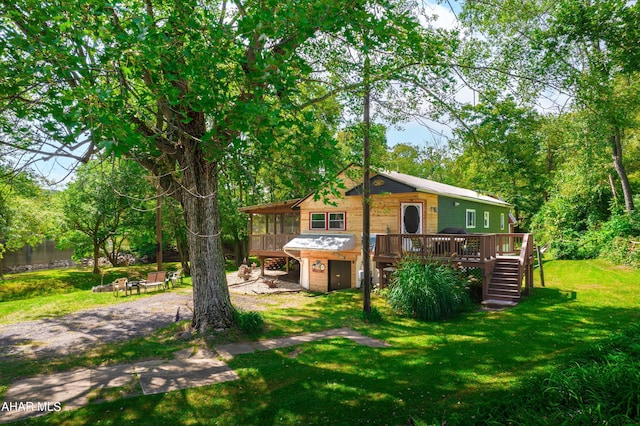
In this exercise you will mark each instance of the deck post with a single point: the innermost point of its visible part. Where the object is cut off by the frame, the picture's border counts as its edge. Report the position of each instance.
(486, 279)
(539, 255)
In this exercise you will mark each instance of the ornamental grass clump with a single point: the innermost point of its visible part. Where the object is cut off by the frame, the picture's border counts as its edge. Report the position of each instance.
(428, 292)
(248, 322)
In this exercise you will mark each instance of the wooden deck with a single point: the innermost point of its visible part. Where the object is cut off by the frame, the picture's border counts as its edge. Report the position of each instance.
(467, 247)
(270, 247)
(480, 251)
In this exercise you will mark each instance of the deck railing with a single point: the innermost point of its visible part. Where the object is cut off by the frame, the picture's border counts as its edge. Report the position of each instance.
(509, 244)
(525, 262)
(270, 242)
(471, 247)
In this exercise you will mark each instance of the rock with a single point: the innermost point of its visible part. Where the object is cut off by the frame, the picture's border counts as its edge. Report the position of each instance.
(102, 288)
(244, 272)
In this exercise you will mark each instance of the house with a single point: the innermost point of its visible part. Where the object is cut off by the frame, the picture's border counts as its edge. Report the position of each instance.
(408, 216)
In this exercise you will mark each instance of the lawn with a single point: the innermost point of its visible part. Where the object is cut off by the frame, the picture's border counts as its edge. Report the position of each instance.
(42, 294)
(430, 372)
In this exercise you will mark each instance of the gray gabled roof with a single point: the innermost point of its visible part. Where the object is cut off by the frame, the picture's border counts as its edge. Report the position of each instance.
(425, 185)
(432, 187)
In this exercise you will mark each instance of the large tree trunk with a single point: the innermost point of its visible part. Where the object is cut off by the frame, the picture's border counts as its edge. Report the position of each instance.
(211, 302)
(616, 154)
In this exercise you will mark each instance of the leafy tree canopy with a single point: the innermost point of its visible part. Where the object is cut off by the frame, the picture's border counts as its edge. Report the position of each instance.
(188, 88)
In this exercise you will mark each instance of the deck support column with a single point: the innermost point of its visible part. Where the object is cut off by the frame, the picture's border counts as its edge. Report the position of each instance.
(487, 272)
(486, 279)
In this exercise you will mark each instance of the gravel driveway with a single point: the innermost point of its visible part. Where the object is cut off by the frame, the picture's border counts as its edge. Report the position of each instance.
(76, 332)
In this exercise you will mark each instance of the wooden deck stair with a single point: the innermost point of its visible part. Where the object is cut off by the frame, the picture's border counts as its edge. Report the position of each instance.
(504, 287)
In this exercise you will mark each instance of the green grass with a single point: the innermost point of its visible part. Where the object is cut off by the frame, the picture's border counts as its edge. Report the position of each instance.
(432, 371)
(601, 385)
(44, 294)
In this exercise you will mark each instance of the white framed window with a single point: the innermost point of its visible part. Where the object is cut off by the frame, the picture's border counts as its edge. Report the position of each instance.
(471, 218)
(486, 219)
(502, 221)
(336, 221)
(318, 221)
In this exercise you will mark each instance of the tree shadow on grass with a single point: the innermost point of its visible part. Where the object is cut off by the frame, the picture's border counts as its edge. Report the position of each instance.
(429, 371)
(431, 376)
(59, 281)
(50, 283)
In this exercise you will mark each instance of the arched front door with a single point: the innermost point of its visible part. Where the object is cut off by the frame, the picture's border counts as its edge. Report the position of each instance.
(411, 218)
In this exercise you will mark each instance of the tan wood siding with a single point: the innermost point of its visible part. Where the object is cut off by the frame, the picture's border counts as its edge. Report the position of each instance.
(385, 213)
(319, 279)
(385, 218)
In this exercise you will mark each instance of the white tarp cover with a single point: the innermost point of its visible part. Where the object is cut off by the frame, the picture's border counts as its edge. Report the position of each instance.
(325, 242)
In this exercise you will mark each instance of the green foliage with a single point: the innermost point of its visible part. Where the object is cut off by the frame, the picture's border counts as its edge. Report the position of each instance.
(193, 90)
(428, 292)
(581, 48)
(28, 214)
(107, 204)
(500, 153)
(431, 162)
(248, 322)
(600, 386)
(580, 199)
(623, 251)
(615, 239)
(350, 143)
(620, 238)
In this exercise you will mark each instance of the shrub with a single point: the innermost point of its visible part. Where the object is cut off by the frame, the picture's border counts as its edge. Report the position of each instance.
(428, 292)
(614, 239)
(473, 279)
(621, 246)
(248, 322)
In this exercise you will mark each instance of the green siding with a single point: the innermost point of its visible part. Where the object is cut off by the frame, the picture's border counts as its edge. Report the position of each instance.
(451, 215)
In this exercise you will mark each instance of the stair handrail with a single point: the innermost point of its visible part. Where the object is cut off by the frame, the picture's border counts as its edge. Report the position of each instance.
(526, 253)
